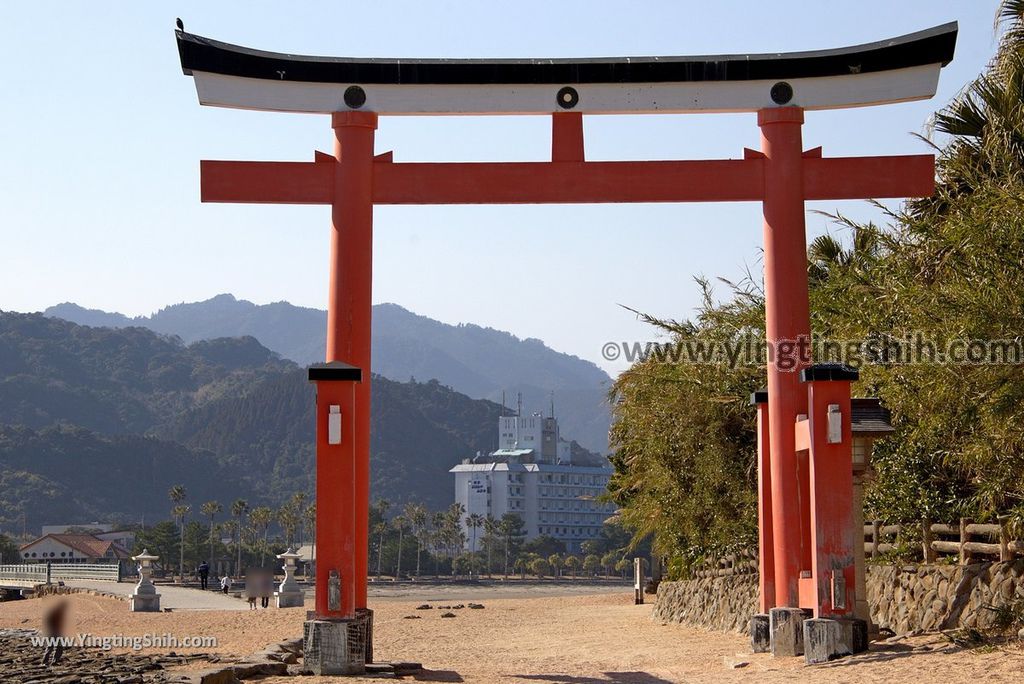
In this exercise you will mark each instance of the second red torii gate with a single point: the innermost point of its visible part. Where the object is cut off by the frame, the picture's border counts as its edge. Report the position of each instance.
(781, 175)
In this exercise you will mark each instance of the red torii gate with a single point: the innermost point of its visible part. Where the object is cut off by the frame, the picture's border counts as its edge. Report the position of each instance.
(806, 540)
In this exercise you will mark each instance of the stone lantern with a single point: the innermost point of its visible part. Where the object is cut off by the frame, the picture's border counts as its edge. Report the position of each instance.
(870, 421)
(289, 594)
(144, 599)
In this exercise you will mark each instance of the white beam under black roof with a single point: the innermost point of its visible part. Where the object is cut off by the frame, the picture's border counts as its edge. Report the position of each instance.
(894, 70)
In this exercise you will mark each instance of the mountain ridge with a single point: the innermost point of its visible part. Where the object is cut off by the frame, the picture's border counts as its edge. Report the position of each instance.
(481, 362)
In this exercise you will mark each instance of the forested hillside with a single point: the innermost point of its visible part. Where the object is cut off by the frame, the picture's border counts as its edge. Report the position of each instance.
(98, 423)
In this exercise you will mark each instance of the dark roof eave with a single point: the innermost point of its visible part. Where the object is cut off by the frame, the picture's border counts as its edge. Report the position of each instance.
(931, 46)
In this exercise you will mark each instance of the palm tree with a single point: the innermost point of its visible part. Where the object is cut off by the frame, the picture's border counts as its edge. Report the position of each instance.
(238, 509)
(491, 531)
(260, 519)
(416, 514)
(177, 495)
(211, 509)
(555, 562)
(623, 567)
(986, 120)
(380, 529)
(453, 530)
(229, 527)
(827, 255)
(474, 522)
(608, 561)
(298, 502)
(511, 528)
(572, 563)
(436, 537)
(380, 509)
(289, 518)
(309, 517)
(399, 522)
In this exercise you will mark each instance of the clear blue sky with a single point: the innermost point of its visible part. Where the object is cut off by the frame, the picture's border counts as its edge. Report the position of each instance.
(102, 137)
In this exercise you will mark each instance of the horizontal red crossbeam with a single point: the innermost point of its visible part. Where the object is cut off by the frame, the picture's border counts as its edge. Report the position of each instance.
(567, 182)
(266, 182)
(834, 178)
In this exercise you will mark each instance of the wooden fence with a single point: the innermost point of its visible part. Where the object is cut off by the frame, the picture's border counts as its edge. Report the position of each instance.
(967, 540)
(739, 563)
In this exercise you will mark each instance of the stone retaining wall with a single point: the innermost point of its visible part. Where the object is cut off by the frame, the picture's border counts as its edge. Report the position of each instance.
(722, 603)
(905, 599)
(926, 598)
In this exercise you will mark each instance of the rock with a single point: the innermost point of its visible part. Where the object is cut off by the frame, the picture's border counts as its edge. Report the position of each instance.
(425, 606)
(298, 671)
(447, 615)
(475, 606)
(249, 668)
(411, 617)
(1020, 634)
(216, 676)
(292, 645)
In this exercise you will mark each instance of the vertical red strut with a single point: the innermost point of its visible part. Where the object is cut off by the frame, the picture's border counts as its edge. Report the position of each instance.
(348, 340)
(788, 326)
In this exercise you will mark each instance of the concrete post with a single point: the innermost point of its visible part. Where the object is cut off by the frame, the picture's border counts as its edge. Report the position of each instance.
(638, 581)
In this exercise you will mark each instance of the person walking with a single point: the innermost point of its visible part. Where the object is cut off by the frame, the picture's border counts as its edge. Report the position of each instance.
(53, 629)
(204, 574)
(225, 584)
(266, 589)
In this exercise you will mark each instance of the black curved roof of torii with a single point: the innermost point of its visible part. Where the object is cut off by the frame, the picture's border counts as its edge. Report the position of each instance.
(931, 46)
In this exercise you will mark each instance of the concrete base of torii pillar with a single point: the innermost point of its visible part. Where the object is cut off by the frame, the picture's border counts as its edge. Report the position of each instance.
(338, 647)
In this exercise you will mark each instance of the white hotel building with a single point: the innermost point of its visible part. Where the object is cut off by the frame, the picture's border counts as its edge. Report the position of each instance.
(532, 475)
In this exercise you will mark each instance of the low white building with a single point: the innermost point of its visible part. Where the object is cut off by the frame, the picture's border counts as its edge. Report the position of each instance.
(73, 548)
(102, 531)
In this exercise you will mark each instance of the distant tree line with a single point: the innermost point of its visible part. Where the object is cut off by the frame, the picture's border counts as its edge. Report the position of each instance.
(412, 543)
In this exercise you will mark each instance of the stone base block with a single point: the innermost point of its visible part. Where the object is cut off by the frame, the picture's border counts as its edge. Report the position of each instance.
(289, 599)
(335, 647)
(144, 603)
(760, 633)
(787, 631)
(855, 633)
(824, 640)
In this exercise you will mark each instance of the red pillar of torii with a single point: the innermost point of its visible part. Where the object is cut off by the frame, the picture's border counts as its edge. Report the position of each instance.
(804, 441)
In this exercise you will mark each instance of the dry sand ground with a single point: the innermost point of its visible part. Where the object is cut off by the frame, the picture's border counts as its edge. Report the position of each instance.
(576, 639)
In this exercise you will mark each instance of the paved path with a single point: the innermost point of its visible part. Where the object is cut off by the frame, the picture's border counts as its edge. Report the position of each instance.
(175, 598)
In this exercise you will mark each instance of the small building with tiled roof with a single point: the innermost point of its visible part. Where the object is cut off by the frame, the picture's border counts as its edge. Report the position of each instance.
(73, 548)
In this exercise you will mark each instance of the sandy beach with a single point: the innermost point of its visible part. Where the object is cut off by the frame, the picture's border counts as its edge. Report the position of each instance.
(570, 639)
